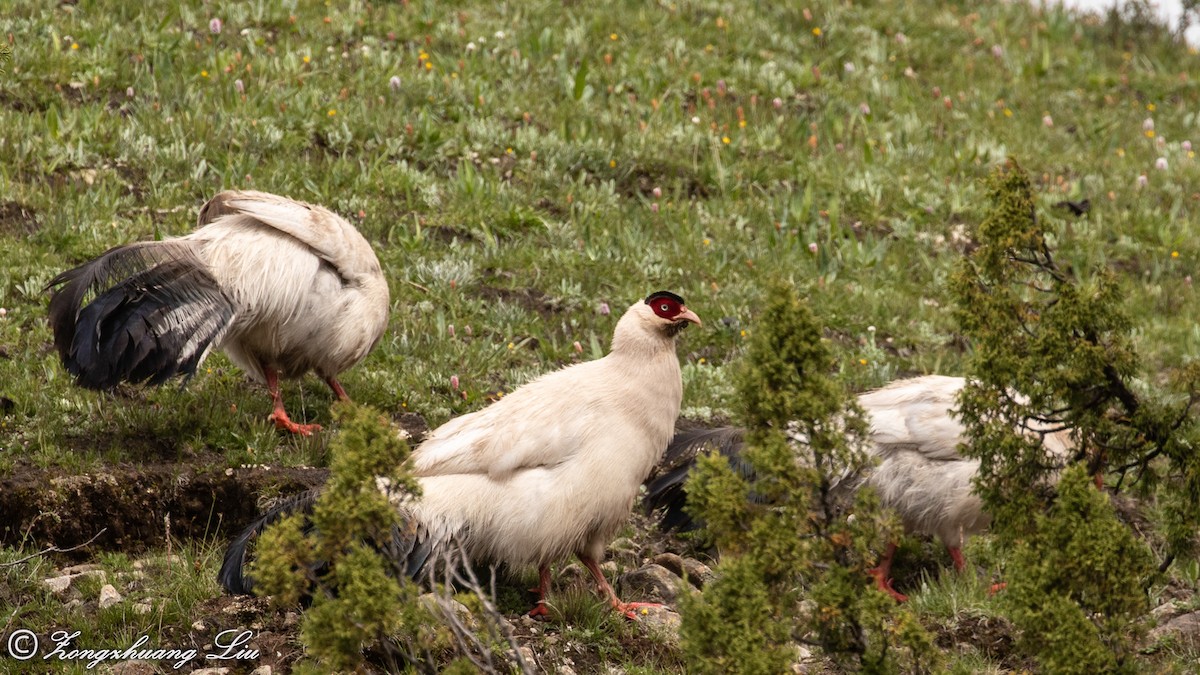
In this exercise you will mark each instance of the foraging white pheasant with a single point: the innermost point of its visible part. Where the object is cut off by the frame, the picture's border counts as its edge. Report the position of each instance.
(548, 471)
(282, 287)
(914, 434)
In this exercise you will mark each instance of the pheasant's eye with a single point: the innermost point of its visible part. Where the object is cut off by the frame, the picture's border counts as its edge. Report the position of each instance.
(665, 304)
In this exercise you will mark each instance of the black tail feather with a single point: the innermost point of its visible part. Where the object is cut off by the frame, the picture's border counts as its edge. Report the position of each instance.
(233, 570)
(667, 491)
(406, 547)
(155, 312)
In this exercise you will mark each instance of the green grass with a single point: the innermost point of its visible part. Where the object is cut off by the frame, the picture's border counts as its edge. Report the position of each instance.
(540, 159)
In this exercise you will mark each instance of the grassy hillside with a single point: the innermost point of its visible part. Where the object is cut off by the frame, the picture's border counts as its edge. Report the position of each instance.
(527, 170)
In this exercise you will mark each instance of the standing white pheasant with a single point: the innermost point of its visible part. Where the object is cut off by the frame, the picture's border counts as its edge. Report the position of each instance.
(550, 470)
(282, 287)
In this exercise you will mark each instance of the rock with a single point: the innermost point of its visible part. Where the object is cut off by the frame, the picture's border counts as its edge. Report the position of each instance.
(447, 607)
(261, 670)
(109, 596)
(803, 662)
(142, 608)
(672, 561)
(653, 583)
(572, 574)
(59, 585)
(79, 569)
(211, 671)
(1185, 628)
(129, 668)
(660, 622)
(698, 574)
(527, 656)
(625, 552)
(1166, 611)
(200, 626)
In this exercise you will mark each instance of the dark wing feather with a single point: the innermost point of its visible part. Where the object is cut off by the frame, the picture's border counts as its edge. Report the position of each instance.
(155, 311)
(667, 491)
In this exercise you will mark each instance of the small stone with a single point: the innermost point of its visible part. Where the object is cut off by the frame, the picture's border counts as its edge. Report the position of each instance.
(130, 668)
(109, 596)
(1186, 628)
(653, 583)
(527, 655)
(80, 569)
(697, 573)
(58, 585)
(261, 670)
(211, 671)
(449, 607)
(142, 608)
(671, 561)
(200, 627)
(661, 622)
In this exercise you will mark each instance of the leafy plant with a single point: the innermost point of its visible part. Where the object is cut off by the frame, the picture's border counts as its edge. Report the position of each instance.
(1078, 573)
(357, 598)
(793, 567)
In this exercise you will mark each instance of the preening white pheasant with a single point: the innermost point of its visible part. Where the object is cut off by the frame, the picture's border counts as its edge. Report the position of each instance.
(550, 470)
(914, 435)
(282, 287)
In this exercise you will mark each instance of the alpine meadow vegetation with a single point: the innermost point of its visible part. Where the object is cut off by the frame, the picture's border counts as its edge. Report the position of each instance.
(521, 169)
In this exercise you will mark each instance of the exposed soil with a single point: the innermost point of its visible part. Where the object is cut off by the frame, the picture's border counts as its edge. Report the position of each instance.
(17, 219)
(135, 508)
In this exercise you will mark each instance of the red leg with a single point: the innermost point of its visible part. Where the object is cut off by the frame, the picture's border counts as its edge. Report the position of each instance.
(882, 573)
(337, 388)
(543, 586)
(956, 555)
(629, 609)
(280, 416)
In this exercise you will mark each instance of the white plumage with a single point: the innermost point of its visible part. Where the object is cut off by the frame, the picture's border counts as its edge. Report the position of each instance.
(914, 435)
(552, 469)
(282, 287)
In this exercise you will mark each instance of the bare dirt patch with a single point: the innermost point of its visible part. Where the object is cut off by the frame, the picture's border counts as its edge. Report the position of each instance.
(17, 219)
(137, 507)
